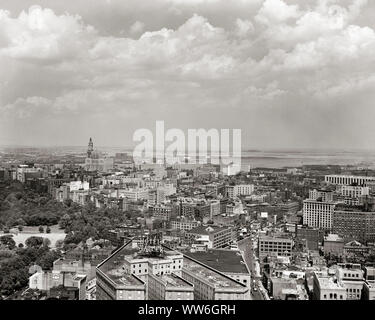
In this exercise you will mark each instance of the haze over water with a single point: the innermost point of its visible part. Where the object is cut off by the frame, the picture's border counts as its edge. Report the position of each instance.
(279, 159)
(254, 158)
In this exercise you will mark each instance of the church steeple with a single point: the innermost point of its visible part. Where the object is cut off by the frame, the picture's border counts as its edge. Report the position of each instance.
(90, 148)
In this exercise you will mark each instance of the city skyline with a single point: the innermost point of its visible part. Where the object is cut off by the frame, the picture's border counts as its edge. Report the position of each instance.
(187, 157)
(288, 74)
(129, 148)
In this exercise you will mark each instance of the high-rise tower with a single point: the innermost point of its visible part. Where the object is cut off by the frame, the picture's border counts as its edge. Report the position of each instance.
(90, 148)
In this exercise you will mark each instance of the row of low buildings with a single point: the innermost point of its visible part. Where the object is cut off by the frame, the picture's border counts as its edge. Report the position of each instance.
(337, 220)
(74, 274)
(345, 282)
(290, 272)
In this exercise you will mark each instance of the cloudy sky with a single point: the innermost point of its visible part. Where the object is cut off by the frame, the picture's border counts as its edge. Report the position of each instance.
(288, 73)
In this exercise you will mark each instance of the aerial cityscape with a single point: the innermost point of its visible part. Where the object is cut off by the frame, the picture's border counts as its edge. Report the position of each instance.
(89, 225)
(187, 150)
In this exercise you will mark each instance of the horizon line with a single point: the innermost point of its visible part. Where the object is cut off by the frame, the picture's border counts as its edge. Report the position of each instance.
(247, 149)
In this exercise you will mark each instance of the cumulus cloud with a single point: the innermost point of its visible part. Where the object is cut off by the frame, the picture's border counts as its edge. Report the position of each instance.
(58, 66)
(137, 27)
(41, 34)
(244, 27)
(275, 11)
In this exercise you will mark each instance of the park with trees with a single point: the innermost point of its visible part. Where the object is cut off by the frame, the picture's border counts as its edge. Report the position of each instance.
(21, 207)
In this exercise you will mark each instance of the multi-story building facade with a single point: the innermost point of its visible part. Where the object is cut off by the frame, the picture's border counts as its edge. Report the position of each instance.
(239, 190)
(98, 163)
(318, 214)
(134, 194)
(353, 191)
(368, 290)
(70, 190)
(209, 284)
(326, 288)
(131, 273)
(369, 283)
(48, 280)
(313, 236)
(169, 287)
(243, 189)
(323, 195)
(351, 277)
(24, 170)
(348, 180)
(214, 208)
(163, 212)
(116, 281)
(333, 244)
(184, 224)
(119, 287)
(354, 223)
(212, 236)
(279, 246)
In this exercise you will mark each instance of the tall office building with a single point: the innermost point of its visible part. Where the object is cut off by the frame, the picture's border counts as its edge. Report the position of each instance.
(354, 223)
(318, 214)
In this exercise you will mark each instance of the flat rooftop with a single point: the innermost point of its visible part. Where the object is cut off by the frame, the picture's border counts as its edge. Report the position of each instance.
(322, 190)
(333, 237)
(120, 277)
(275, 238)
(217, 279)
(327, 282)
(222, 260)
(171, 280)
(353, 208)
(331, 202)
(206, 230)
(167, 254)
(115, 267)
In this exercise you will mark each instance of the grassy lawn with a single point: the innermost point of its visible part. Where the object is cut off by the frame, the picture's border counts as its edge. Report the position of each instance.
(27, 232)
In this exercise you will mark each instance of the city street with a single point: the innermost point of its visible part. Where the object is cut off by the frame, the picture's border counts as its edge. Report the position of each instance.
(246, 247)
